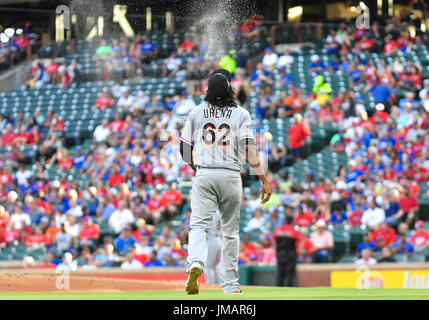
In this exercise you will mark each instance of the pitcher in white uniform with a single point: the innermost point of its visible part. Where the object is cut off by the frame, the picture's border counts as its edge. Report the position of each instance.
(216, 138)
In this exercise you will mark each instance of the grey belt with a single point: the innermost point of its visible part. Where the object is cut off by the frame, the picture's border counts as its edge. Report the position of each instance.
(200, 167)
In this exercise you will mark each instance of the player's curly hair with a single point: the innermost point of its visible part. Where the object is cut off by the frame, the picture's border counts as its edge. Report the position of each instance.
(227, 101)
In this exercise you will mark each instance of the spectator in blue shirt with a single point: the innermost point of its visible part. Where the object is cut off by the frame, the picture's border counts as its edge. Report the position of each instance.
(317, 65)
(345, 63)
(376, 167)
(409, 98)
(124, 241)
(149, 50)
(353, 172)
(263, 103)
(80, 158)
(366, 244)
(153, 260)
(260, 76)
(367, 136)
(285, 77)
(391, 209)
(338, 217)
(387, 140)
(397, 165)
(332, 42)
(13, 47)
(28, 30)
(335, 64)
(381, 94)
(402, 245)
(105, 209)
(355, 75)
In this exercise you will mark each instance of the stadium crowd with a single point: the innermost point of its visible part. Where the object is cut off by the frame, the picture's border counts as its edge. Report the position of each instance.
(388, 152)
(14, 49)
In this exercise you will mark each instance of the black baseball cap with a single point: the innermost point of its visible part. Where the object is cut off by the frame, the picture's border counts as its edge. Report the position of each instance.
(225, 72)
(218, 85)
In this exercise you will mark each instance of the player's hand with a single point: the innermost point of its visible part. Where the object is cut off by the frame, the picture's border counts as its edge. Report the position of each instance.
(266, 192)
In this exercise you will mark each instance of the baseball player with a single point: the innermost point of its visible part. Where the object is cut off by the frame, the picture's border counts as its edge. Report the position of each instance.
(219, 133)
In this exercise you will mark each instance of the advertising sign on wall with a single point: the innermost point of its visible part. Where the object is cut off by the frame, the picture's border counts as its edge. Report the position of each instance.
(364, 278)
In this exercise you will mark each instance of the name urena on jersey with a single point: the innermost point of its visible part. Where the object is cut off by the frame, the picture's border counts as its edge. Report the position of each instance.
(217, 113)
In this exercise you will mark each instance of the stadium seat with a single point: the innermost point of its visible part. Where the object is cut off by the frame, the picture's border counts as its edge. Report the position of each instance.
(348, 258)
(401, 257)
(417, 257)
(356, 236)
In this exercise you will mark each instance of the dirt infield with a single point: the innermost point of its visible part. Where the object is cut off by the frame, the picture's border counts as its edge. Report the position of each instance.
(17, 282)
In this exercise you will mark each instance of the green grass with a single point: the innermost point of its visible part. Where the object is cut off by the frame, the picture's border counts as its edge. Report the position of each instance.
(249, 294)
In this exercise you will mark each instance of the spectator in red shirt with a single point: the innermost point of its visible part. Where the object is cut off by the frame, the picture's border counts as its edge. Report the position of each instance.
(57, 124)
(355, 217)
(365, 43)
(155, 204)
(303, 218)
(116, 178)
(21, 138)
(409, 205)
(5, 177)
(306, 247)
(89, 232)
(186, 172)
(379, 116)
(64, 160)
(418, 146)
(22, 41)
(142, 229)
(298, 133)
(52, 69)
(4, 217)
(8, 136)
(104, 101)
(415, 77)
(118, 124)
(3, 241)
(34, 136)
(187, 46)
(386, 232)
(420, 238)
(139, 256)
(36, 240)
(172, 196)
(391, 45)
(247, 249)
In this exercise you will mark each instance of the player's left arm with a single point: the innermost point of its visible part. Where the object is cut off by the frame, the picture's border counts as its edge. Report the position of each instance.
(186, 152)
(186, 145)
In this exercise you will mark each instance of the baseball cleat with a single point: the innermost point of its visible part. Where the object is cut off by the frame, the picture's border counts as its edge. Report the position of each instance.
(238, 291)
(192, 286)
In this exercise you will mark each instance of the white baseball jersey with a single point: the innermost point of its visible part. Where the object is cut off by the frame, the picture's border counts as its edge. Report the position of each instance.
(215, 134)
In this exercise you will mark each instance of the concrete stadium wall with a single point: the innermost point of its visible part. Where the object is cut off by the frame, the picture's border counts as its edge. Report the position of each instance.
(15, 77)
(314, 275)
(310, 275)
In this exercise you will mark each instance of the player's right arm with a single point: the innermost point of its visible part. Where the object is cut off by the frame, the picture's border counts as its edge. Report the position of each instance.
(253, 159)
(251, 154)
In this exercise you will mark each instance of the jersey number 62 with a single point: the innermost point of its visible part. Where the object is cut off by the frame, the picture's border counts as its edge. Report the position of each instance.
(209, 134)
